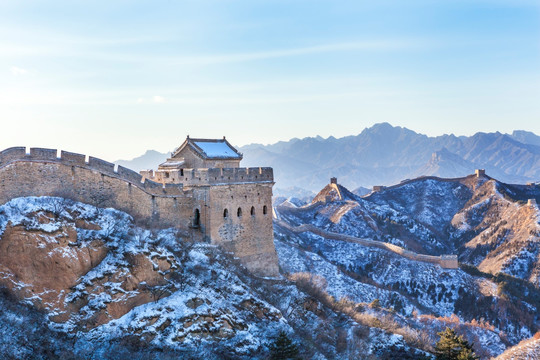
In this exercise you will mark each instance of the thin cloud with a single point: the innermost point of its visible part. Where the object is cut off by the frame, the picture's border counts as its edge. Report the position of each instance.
(18, 71)
(158, 99)
(325, 48)
(60, 51)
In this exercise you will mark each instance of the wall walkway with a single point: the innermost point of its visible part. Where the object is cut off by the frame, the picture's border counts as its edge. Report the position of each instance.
(445, 261)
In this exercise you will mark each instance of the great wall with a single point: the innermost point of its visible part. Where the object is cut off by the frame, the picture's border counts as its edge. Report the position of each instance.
(49, 172)
(334, 192)
(445, 261)
(477, 174)
(196, 206)
(40, 172)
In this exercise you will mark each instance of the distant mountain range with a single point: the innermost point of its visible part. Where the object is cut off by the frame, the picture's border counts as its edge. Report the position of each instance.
(149, 160)
(384, 154)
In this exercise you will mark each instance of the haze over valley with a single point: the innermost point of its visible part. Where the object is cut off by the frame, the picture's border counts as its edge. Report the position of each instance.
(385, 155)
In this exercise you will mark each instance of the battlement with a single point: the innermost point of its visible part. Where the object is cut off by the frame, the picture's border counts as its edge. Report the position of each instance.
(95, 164)
(216, 176)
(211, 176)
(480, 172)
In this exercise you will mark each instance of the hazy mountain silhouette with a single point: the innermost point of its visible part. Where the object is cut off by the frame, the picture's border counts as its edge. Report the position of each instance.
(149, 160)
(526, 137)
(384, 154)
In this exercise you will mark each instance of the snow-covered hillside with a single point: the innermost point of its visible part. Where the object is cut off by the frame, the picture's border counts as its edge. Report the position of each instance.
(526, 350)
(149, 283)
(428, 216)
(97, 286)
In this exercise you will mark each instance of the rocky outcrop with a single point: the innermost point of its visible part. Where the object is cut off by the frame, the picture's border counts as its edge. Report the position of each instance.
(44, 267)
(94, 274)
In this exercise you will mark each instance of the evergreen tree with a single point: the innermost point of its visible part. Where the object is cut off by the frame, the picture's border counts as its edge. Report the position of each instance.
(283, 348)
(453, 347)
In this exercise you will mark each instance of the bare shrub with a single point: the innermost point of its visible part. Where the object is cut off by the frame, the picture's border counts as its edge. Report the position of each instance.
(315, 286)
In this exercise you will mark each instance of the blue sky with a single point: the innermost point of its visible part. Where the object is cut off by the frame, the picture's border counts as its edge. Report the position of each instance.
(115, 78)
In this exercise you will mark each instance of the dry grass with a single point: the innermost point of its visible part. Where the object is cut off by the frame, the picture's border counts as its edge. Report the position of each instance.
(455, 321)
(315, 286)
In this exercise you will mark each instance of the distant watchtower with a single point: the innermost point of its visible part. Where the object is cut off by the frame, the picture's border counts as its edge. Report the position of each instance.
(333, 180)
(480, 172)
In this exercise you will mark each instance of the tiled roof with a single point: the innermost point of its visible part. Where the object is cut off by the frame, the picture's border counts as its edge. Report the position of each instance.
(211, 149)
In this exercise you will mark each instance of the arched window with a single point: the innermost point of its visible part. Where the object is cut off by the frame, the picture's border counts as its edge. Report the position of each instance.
(239, 212)
(225, 213)
(196, 218)
(265, 210)
(253, 211)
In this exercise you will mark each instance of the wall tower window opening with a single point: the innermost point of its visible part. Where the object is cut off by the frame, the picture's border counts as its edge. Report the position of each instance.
(196, 218)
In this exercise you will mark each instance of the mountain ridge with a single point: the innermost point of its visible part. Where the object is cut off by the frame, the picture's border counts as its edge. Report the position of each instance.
(384, 154)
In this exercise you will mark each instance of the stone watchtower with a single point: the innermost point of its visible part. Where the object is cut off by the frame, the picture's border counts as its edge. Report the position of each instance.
(233, 204)
(480, 172)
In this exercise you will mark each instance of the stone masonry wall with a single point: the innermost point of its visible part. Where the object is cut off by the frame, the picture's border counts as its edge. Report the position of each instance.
(249, 236)
(218, 176)
(41, 172)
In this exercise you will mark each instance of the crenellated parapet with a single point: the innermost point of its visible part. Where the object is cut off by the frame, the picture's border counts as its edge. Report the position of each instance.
(11, 154)
(95, 164)
(211, 176)
(219, 176)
